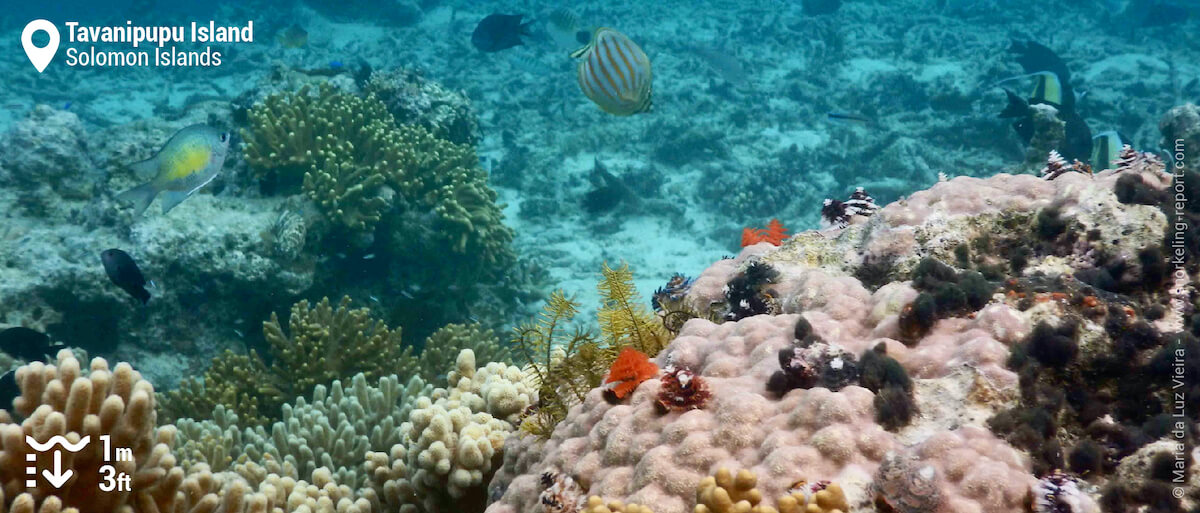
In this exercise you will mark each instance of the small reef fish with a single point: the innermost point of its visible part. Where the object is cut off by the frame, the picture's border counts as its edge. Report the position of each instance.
(294, 36)
(500, 32)
(124, 273)
(615, 73)
(26, 344)
(564, 29)
(846, 117)
(190, 160)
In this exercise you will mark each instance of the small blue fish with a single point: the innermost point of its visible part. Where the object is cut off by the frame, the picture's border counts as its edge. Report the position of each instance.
(336, 65)
(66, 106)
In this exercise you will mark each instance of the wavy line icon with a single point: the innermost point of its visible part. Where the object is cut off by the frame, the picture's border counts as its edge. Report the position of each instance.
(57, 440)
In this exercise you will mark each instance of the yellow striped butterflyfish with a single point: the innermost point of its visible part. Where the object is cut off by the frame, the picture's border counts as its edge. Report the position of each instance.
(614, 73)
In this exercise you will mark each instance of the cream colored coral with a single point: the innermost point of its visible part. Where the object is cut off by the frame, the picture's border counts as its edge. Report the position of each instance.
(453, 438)
(63, 399)
(597, 505)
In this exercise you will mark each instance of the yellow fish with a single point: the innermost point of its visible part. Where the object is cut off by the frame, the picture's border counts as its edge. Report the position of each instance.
(190, 160)
(293, 36)
(614, 73)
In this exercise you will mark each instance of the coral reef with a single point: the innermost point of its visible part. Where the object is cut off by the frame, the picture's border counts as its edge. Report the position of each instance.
(413, 99)
(935, 387)
(45, 157)
(63, 399)
(322, 344)
(454, 437)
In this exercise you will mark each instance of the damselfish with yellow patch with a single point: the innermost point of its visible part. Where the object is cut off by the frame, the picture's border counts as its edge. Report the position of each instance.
(190, 160)
(615, 73)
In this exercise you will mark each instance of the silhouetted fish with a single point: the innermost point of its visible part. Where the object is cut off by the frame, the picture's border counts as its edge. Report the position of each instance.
(499, 32)
(1037, 59)
(26, 344)
(124, 272)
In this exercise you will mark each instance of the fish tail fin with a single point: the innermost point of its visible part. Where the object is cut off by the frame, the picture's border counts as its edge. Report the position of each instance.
(140, 196)
(1017, 106)
(527, 28)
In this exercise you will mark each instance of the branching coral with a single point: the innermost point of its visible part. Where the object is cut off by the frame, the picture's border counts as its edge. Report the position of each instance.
(356, 163)
(63, 399)
(324, 343)
(453, 439)
(443, 346)
(236, 382)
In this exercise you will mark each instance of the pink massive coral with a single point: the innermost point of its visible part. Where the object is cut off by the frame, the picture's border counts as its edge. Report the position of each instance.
(945, 461)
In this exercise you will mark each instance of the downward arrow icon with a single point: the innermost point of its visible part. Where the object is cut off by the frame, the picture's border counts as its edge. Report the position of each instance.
(58, 478)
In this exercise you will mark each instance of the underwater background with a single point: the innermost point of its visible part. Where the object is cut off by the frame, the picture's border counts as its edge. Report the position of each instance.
(437, 255)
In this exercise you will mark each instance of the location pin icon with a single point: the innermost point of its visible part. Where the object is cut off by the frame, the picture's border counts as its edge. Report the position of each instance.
(40, 57)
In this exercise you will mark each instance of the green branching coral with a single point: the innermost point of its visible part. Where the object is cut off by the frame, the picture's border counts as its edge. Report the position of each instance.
(289, 129)
(356, 162)
(321, 344)
(324, 343)
(234, 381)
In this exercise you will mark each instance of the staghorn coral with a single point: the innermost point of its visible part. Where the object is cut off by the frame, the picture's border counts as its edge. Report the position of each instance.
(63, 399)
